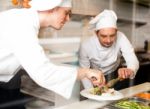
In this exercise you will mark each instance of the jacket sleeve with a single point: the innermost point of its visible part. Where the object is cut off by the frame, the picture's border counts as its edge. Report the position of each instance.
(24, 44)
(129, 54)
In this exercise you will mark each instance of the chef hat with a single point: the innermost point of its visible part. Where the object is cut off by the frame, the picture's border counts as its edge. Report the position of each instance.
(105, 19)
(42, 5)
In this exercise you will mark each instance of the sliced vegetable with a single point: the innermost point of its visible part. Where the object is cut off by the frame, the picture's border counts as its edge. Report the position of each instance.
(100, 91)
(130, 105)
(143, 95)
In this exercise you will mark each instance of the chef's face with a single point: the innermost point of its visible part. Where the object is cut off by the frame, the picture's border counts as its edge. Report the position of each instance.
(107, 36)
(59, 16)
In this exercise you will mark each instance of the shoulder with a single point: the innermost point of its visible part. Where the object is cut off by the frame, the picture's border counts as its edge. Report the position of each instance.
(121, 36)
(123, 41)
(17, 14)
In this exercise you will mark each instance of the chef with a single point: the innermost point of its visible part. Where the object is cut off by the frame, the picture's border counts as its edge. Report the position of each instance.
(103, 51)
(20, 49)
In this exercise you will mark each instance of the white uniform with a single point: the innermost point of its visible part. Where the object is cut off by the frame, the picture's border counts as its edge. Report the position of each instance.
(19, 47)
(93, 55)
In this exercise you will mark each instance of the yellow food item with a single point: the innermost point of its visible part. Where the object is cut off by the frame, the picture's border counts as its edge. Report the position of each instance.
(23, 3)
(15, 2)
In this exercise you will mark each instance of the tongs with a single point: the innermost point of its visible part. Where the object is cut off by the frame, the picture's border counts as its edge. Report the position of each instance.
(112, 82)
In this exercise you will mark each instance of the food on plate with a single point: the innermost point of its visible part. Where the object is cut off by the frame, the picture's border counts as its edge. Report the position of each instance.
(103, 91)
(144, 95)
(127, 104)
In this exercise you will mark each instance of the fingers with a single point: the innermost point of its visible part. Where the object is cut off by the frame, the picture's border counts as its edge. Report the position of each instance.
(100, 82)
(124, 73)
(98, 79)
(96, 76)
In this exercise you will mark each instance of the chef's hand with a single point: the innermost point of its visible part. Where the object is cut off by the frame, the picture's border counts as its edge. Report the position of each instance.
(125, 73)
(96, 76)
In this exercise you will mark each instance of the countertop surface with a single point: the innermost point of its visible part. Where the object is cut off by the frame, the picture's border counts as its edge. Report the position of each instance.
(91, 104)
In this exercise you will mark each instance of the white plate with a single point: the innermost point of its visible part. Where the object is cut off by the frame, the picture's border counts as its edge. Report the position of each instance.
(116, 96)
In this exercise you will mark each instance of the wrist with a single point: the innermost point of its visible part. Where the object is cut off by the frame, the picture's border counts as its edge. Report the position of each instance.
(82, 73)
(132, 75)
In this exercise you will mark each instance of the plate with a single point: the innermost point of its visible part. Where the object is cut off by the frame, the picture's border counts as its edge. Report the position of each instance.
(116, 96)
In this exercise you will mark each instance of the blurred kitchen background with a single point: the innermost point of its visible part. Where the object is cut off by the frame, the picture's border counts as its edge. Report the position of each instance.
(133, 20)
(62, 46)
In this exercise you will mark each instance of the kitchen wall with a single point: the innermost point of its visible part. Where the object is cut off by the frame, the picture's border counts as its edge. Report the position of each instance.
(133, 19)
(5, 4)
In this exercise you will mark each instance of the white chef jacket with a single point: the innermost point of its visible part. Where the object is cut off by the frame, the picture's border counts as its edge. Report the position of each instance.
(93, 55)
(19, 47)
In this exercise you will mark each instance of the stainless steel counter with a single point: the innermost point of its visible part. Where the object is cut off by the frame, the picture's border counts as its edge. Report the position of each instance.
(91, 104)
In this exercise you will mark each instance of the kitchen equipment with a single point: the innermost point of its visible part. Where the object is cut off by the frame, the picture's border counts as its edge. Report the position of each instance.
(112, 82)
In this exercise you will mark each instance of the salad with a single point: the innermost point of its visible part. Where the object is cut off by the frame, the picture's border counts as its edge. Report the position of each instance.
(102, 91)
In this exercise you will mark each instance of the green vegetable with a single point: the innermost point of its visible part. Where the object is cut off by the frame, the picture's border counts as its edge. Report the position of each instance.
(96, 91)
(131, 105)
(99, 91)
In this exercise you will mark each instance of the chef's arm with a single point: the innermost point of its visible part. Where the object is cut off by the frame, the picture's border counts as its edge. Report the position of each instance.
(25, 47)
(30, 54)
(132, 64)
(129, 56)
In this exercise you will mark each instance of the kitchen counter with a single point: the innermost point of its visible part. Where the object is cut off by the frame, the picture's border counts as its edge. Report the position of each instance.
(91, 104)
